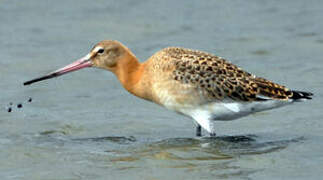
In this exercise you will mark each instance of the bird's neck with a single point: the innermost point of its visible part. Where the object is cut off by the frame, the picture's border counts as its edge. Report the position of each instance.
(130, 73)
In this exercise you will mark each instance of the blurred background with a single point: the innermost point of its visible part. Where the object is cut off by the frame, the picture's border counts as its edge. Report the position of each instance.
(86, 126)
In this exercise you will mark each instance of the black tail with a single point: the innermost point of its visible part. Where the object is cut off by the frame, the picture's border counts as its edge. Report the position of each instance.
(300, 95)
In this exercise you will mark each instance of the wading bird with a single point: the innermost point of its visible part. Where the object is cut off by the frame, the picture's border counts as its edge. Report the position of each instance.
(197, 84)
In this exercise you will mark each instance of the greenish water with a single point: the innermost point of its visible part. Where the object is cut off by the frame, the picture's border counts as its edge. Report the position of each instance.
(85, 126)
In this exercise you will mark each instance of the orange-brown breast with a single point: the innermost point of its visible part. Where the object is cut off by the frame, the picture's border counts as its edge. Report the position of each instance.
(133, 76)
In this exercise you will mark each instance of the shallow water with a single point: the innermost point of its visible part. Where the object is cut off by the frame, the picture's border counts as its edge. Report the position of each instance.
(78, 126)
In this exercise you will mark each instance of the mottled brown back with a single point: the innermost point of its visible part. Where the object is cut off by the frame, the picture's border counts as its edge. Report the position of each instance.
(219, 78)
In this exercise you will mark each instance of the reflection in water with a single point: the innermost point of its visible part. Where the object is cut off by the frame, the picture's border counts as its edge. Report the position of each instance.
(219, 155)
(224, 157)
(224, 146)
(206, 148)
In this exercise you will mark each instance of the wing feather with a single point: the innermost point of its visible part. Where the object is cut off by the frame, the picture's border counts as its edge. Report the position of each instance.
(221, 79)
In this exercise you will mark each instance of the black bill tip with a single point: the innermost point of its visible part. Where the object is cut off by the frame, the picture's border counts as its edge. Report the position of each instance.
(40, 78)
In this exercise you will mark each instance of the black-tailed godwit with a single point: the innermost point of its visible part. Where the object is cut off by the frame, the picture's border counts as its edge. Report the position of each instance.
(197, 84)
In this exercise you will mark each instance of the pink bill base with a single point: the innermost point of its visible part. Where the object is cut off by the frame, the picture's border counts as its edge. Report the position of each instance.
(79, 64)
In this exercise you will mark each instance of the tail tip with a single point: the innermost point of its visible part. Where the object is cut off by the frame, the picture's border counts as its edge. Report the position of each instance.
(301, 95)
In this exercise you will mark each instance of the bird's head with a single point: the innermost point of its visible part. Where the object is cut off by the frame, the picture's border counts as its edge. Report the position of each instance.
(107, 54)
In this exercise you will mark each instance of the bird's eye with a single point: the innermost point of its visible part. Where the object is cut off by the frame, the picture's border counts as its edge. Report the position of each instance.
(100, 51)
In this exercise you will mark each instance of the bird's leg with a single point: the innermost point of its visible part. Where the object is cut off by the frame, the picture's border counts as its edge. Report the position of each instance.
(198, 131)
(213, 134)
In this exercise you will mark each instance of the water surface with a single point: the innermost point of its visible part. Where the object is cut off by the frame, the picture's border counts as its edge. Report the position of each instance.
(85, 126)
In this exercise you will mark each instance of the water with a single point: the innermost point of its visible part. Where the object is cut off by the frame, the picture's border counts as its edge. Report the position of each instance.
(78, 126)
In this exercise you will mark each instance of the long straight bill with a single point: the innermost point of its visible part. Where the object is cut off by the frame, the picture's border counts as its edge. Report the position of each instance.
(79, 64)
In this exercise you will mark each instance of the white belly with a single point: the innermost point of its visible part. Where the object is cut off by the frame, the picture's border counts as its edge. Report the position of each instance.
(206, 114)
(222, 111)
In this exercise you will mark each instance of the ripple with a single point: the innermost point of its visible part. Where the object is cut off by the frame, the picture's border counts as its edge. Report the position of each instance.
(307, 34)
(319, 41)
(66, 129)
(113, 139)
(261, 52)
